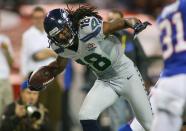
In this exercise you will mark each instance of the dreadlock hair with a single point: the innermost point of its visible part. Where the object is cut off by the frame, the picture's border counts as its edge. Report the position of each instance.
(119, 12)
(80, 13)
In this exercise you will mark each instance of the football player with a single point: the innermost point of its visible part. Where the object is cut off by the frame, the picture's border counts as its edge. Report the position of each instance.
(83, 36)
(170, 96)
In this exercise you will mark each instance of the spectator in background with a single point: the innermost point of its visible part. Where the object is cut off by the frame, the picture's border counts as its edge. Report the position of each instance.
(25, 114)
(36, 54)
(6, 61)
(34, 45)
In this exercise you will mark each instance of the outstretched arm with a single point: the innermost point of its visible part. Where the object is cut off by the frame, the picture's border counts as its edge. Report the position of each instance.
(118, 24)
(58, 65)
(43, 54)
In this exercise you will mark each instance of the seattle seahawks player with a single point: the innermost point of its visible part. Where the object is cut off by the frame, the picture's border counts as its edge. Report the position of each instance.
(170, 96)
(82, 36)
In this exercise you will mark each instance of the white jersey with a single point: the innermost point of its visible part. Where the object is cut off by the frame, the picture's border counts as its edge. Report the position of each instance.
(103, 54)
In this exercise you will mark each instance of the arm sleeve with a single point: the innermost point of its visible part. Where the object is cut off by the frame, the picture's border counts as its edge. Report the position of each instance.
(24, 57)
(10, 49)
(182, 6)
(91, 27)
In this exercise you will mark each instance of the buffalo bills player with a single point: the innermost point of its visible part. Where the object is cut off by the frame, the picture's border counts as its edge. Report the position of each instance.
(83, 36)
(170, 96)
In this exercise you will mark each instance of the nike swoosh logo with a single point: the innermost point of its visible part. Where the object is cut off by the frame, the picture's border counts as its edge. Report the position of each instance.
(129, 77)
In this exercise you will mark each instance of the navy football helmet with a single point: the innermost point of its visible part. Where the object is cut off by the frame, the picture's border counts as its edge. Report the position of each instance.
(59, 28)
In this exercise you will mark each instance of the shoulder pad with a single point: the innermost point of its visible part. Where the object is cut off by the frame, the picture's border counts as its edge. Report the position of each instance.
(90, 24)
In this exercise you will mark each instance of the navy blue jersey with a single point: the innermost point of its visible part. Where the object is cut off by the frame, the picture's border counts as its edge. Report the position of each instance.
(172, 24)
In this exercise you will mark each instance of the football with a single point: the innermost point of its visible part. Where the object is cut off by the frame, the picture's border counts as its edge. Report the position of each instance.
(40, 78)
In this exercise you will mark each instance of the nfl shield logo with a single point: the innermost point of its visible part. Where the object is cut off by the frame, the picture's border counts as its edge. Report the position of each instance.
(91, 46)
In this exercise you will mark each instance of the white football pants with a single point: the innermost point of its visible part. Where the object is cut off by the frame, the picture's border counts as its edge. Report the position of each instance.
(170, 102)
(105, 92)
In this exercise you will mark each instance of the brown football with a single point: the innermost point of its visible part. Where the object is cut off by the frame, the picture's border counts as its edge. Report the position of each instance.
(40, 78)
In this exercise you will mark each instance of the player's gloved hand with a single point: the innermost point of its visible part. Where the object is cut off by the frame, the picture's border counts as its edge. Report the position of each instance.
(138, 27)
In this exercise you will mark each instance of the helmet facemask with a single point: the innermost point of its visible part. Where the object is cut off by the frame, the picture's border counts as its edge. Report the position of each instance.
(63, 38)
(63, 35)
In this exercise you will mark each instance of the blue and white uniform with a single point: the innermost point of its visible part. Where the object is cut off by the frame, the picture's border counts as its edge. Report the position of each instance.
(116, 73)
(170, 95)
(172, 23)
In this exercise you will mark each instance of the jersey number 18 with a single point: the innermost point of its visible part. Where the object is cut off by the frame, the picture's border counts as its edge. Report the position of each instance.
(96, 62)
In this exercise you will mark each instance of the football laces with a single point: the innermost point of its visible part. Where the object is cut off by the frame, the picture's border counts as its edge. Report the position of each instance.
(47, 82)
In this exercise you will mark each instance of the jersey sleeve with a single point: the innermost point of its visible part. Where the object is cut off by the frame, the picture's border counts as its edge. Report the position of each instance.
(183, 6)
(91, 27)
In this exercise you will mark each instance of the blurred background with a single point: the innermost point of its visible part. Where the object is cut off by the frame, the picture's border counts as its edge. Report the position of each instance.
(17, 17)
